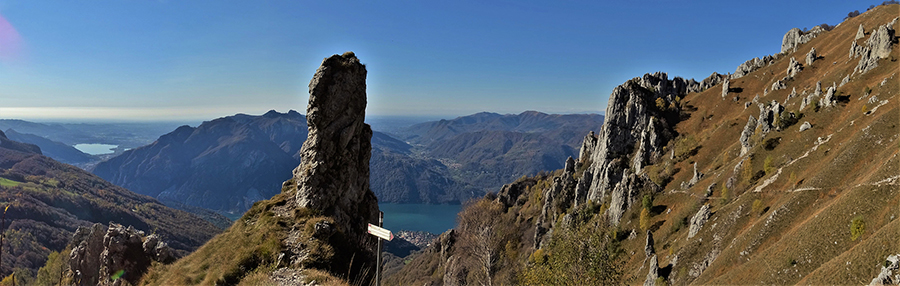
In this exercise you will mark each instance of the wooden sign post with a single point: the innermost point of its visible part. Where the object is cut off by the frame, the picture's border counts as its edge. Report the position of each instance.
(382, 234)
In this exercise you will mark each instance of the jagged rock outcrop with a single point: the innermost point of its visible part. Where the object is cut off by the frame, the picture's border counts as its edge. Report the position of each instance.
(697, 176)
(811, 56)
(844, 81)
(887, 276)
(648, 245)
(768, 114)
(698, 220)
(582, 188)
(877, 46)
(557, 199)
(794, 37)
(793, 69)
(629, 114)
(791, 95)
(99, 252)
(710, 81)
(749, 128)
(333, 176)
(752, 65)
(860, 33)
(570, 165)
(805, 126)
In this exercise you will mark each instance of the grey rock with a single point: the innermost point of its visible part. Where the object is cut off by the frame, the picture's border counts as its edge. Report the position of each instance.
(587, 147)
(570, 166)
(725, 86)
(886, 276)
(628, 117)
(791, 95)
(648, 245)
(712, 80)
(811, 56)
(698, 220)
(710, 189)
(581, 189)
(749, 128)
(805, 126)
(653, 273)
(768, 114)
(778, 85)
(828, 101)
(845, 80)
(860, 33)
(747, 104)
(794, 37)
(697, 176)
(99, 252)
(877, 46)
(793, 69)
(752, 65)
(333, 176)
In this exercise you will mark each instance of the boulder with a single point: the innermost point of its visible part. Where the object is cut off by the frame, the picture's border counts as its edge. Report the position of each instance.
(698, 220)
(333, 176)
(829, 96)
(805, 126)
(811, 56)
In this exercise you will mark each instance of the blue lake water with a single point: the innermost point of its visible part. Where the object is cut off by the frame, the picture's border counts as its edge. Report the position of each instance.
(95, 149)
(431, 218)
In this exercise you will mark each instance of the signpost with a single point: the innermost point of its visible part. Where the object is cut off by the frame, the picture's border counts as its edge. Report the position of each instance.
(382, 234)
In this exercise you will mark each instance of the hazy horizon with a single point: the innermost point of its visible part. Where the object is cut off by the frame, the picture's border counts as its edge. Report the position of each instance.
(199, 60)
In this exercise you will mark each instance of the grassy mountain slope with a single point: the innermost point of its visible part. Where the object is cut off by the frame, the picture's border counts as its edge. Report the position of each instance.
(49, 200)
(819, 206)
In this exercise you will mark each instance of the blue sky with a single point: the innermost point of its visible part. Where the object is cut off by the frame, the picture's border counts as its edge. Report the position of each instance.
(197, 60)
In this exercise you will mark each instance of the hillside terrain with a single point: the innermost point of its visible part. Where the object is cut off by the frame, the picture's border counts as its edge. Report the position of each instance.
(57, 150)
(784, 172)
(47, 201)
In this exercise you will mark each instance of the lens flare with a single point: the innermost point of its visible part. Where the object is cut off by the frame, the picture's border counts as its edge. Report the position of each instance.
(10, 41)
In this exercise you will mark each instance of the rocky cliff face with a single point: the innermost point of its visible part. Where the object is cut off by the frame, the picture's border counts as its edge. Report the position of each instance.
(638, 114)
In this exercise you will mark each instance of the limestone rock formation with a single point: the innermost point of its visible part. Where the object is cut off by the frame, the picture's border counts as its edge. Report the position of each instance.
(794, 67)
(698, 220)
(805, 126)
(752, 65)
(710, 81)
(779, 84)
(725, 86)
(811, 56)
(587, 147)
(860, 33)
(794, 37)
(653, 273)
(887, 276)
(333, 176)
(697, 176)
(845, 80)
(99, 252)
(648, 245)
(829, 96)
(749, 128)
(877, 46)
(629, 114)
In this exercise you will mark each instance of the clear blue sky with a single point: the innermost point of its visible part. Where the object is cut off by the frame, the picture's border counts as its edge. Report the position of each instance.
(196, 60)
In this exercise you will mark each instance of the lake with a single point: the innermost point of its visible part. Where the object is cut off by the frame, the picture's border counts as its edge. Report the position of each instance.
(95, 149)
(431, 218)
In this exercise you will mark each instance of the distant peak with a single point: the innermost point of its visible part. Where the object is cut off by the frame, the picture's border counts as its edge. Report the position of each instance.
(272, 114)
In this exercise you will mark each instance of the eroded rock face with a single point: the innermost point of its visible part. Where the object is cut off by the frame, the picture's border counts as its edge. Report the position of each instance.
(99, 252)
(587, 147)
(887, 276)
(333, 176)
(829, 99)
(725, 87)
(698, 220)
(860, 33)
(631, 112)
(713, 79)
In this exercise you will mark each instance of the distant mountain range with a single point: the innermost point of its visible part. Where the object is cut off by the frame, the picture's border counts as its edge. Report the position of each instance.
(228, 163)
(47, 201)
(57, 150)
